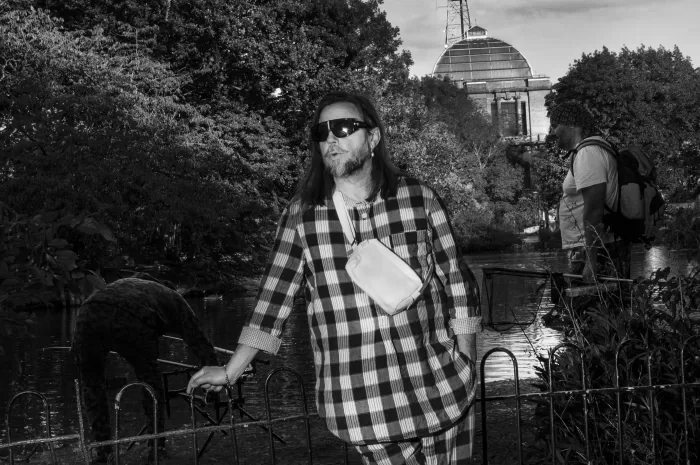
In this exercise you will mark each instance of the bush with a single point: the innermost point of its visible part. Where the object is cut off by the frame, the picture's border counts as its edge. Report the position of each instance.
(39, 264)
(492, 238)
(661, 314)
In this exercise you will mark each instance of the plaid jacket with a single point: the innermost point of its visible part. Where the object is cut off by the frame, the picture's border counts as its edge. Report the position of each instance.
(378, 377)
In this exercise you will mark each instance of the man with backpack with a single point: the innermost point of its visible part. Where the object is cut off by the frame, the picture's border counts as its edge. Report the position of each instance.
(591, 185)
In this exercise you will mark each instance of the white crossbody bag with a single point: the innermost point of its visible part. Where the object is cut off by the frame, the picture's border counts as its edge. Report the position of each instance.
(378, 271)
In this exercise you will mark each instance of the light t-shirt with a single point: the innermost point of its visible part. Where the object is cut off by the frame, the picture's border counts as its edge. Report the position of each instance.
(592, 165)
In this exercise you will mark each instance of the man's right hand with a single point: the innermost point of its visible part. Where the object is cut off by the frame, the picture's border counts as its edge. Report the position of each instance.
(211, 378)
(214, 377)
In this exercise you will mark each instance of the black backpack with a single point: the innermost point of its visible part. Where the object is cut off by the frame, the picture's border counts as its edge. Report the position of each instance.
(640, 206)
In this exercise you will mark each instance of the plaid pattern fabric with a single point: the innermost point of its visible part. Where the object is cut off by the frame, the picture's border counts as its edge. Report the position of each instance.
(378, 377)
(452, 446)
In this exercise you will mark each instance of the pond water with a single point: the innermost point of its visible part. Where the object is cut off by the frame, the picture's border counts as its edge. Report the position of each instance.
(28, 366)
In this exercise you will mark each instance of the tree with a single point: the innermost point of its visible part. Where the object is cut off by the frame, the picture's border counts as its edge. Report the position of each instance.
(549, 171)
(276, 57)
(197, 156)
(439, 135)
(647, 97)
(91, 125)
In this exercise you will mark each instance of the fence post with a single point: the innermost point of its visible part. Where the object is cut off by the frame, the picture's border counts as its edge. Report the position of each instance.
(684, 396)
(47, 412)
(117, 408)
(81, 423)
(484, 442)
(552, 352)
(234, 438)
(195, 447)
(651, 406)
(269, 413)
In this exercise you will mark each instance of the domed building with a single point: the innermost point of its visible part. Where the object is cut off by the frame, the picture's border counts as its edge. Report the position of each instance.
(500, 79)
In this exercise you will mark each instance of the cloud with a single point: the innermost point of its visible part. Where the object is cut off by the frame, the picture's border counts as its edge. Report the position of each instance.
(537, 27)
(420, 32)
(517, 9)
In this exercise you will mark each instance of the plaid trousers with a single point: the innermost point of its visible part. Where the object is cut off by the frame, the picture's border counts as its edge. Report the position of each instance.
(451, 446)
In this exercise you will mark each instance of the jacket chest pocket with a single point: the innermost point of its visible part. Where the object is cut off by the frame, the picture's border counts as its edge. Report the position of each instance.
(414, 247)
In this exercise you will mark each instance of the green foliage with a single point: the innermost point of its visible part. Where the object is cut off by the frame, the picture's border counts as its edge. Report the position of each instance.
(682, 231)
(97, 126)
(437, 134)
(182, 125)
(39, 263)
(648, 97)
(39, 266)
(276, 57)
(663, 314)
(549, 172)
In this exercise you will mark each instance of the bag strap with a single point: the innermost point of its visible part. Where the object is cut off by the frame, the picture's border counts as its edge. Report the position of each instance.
(344, 217)
(602, 143)
(349, 231)
(610, 148)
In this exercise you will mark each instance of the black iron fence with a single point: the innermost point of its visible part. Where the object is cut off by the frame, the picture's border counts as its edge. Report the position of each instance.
(586, 395)
(217, 421)
(511, 312)
(223, 420)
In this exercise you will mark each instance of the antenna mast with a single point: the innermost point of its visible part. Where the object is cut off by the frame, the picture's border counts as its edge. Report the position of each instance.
(456, 27)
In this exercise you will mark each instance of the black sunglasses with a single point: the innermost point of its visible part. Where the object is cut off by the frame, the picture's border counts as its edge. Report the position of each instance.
(342, 127)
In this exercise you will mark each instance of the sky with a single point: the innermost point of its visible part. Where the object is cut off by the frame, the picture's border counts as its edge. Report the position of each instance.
(552, 34)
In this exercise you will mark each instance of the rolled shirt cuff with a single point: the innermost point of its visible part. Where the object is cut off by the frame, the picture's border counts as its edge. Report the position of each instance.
(260, 340)
(469, 325)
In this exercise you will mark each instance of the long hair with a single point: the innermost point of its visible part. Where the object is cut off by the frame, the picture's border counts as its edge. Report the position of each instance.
(316, 185)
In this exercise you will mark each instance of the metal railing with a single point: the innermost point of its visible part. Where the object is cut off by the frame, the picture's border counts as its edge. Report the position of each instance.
(215, 424)
(233, 403)
(587, 394)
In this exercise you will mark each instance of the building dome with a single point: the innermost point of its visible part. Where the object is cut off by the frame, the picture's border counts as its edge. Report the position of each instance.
(481, 58)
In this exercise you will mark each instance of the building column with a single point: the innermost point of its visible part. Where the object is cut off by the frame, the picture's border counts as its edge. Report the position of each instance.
(496, 117)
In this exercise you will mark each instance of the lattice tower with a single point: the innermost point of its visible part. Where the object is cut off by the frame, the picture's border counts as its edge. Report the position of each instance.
(458, 21)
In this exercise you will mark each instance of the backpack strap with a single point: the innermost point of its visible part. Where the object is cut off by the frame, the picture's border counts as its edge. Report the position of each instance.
(604, 144)
(610, 148)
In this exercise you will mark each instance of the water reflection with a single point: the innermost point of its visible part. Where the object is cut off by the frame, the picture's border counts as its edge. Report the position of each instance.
(661, 257)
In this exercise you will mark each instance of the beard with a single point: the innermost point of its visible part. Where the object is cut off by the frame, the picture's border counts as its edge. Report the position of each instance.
(343, 168)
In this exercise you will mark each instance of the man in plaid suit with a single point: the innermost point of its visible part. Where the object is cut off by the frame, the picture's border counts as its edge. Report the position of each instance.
(399, 388)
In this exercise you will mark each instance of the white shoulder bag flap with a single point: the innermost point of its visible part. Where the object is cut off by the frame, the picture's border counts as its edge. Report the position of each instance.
(378, 271)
